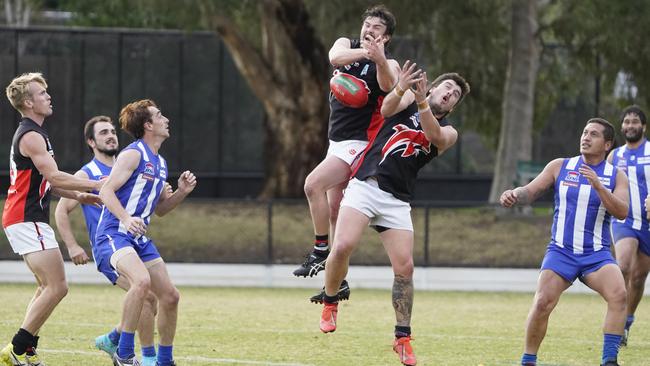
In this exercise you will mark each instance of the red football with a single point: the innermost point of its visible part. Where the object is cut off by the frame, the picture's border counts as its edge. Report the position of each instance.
(349, 90)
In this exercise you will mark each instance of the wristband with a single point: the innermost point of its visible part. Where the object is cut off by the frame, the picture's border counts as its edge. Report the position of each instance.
(424, 110)
(399, 91)
(423, 105)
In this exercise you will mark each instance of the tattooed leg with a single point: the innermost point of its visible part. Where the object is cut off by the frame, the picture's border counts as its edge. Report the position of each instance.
(403, 299)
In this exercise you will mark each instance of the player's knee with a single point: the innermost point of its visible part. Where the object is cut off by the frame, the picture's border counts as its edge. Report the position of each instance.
(618, 297)
(544, 303)
(404, 268)
(625, 269)
(334, 214)
(142, 285)
(342, 249)
(171, 298)
(59, 289)
(638, 279)
(151, 303)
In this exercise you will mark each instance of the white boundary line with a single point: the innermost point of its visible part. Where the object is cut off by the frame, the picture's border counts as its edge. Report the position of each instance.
(276, 276)
(186, 358)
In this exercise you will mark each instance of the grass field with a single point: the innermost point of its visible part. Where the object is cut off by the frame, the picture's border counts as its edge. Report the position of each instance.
(234, 326)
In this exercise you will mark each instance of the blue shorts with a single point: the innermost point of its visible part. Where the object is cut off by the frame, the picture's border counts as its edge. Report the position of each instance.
(622, 230)
(571, 266)
(106, 245)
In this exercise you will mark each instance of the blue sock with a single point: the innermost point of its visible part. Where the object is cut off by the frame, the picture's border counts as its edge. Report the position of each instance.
(149, 351)
(165, 357)
(114, 336)
(528, 358)
(629, 321)
(125, 349)
(611, 343)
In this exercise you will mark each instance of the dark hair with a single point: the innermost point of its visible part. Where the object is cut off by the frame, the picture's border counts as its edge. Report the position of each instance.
(89, 128)
(381, 11)
(636, 110)
(608, 133)
(462, 83)
(134, 115)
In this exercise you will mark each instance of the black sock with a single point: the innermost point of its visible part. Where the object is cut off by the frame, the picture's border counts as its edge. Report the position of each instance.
(401, 331)
(321, 244)
(331, 299)
(22, 341)
(36, 338)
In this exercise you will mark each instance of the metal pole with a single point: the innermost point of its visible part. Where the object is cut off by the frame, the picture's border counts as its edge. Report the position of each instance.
(269, 238)
(426, 236)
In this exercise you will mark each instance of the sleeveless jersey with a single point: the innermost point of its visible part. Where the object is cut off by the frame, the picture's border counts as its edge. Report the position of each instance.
(580, 220)
(96, 170)
(636, 164)
(398, 153)
(28, 197)
(362, 124)
(140, 193)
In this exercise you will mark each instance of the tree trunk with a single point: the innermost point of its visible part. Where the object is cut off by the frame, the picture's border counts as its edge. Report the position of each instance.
(289, 76)
(515, 140)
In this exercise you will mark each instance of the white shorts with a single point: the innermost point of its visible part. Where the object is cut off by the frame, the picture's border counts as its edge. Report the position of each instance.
(29, 237)
(381, 207)
(348, 150)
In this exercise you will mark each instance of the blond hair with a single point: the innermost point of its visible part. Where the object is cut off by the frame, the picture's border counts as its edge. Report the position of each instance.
(18, 89)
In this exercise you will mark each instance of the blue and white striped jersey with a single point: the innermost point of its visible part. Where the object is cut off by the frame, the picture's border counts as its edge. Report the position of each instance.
(139, 194)
(96, 170)
(636, 164)
(580, 221)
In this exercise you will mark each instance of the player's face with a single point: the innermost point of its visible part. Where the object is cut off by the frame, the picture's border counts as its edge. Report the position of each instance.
(39, 101)
(443, 98)
(373, 28)
(105, 139)
(593, 141)
(632, 128)
(159, 122)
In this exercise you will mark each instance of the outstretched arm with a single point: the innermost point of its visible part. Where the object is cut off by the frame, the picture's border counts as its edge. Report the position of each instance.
(401, 96)
(33, 146)
(529, 193)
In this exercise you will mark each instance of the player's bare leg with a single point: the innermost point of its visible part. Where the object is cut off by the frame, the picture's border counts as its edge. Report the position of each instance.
(168, 298)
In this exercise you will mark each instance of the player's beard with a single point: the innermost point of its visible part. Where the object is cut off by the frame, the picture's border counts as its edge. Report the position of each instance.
(108, 152)
(635, 137)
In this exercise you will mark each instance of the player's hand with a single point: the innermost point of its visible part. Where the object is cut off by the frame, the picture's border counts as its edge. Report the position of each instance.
(420, 90)
(408, 75)
(508, 198)
(186, 182)
(77, 254)
(374, 48)
(89, 199)
(100, 183)
(591, 176)
(135, 226)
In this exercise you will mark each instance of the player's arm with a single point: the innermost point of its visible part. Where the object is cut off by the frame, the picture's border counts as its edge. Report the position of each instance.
(32, 145)
(168, 201)
(401, 96)
(530, 192)
(127, 162)
(616, 202)
(341, 54)
(610, 156)
(441, 137)
(62, 217)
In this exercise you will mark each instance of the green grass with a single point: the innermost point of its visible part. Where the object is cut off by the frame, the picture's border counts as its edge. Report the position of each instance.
(219, 326)
(237, 232)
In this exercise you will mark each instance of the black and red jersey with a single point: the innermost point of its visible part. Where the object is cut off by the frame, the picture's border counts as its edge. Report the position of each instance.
(28, 197)
(347, 123)
(398, 153)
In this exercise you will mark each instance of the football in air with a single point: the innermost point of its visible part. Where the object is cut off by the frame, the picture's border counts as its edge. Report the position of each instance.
(349, 90)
